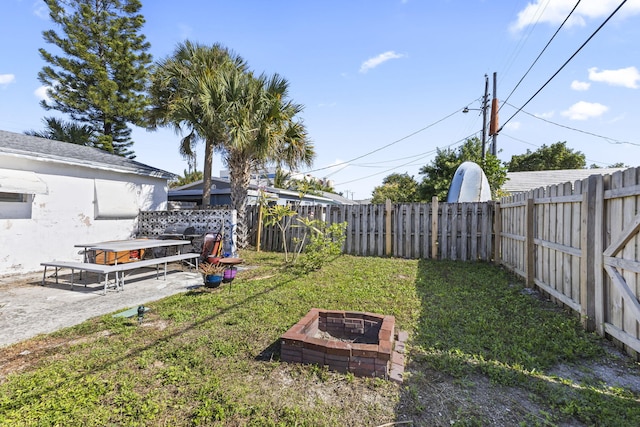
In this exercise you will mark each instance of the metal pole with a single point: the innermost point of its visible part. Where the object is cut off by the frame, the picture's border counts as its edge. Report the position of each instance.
(494, 149)
(485, 101)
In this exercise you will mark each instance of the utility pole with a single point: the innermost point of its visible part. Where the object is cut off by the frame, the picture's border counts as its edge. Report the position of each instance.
(484, 107)
(485, 102)
(493, 127)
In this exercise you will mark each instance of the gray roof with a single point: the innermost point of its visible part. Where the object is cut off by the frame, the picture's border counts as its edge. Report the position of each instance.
(223, 186)
(51, 150)
(524, 181)
(339, 199)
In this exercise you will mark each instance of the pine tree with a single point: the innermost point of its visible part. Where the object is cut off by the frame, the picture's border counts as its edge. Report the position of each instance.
(99, 79)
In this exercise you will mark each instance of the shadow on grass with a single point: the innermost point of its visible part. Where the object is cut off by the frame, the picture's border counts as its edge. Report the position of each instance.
(270, 353)
(137, 350)
(482, 349)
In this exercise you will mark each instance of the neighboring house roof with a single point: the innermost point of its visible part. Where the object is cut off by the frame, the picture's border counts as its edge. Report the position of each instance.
(339, 199)
(43, 149)
(518, 182)
(222, 186)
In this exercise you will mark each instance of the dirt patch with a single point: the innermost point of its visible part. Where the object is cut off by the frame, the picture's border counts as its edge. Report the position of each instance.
(616, 370)
(437, 400)
(24, 355)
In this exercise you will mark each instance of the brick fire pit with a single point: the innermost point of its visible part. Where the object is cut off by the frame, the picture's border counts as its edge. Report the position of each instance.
(345, 341)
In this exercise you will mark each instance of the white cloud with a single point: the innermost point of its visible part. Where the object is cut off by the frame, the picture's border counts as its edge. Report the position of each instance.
(512, 125)
(580, 86)
(41, 10)
(546, 115)
(41, 93)
(625, 77)
(6, 79)
(380, 59)
(585, 110)
(554, 12)
(617, 119)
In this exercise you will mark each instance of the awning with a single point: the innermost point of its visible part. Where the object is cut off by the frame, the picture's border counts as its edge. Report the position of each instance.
(115, 199)
(24, 182)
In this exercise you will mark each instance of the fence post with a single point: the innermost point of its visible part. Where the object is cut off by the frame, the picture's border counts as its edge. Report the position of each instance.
(589, 238)
(529, 243)
(497, 231)
(434, 227)
(387, 235)
(259, 237)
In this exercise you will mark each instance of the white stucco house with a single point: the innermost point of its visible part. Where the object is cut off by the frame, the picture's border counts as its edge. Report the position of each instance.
(54, 195)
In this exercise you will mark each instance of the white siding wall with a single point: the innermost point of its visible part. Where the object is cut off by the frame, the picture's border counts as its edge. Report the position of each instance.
(65, 216)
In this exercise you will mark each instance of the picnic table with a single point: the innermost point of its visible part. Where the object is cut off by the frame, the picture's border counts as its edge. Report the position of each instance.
(115, 247)
(111, 265)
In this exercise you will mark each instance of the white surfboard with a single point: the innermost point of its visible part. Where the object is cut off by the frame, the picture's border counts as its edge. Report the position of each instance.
(469, 184)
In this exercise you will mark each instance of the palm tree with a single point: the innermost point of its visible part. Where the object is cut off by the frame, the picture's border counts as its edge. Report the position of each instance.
(263, 130)
(71, 132)
(186, 94)
(188, 178)
(281, 179)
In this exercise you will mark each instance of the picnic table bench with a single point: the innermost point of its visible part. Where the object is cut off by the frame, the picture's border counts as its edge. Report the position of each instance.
(120, 269)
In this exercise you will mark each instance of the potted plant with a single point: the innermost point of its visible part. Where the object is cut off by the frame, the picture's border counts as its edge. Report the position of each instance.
(212, 274)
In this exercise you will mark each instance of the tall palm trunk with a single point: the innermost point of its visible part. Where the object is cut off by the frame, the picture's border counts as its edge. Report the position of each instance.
(240, 169)
(206, 174)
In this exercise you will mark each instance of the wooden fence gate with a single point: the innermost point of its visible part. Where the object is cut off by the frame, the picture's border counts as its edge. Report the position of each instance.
(580, 243)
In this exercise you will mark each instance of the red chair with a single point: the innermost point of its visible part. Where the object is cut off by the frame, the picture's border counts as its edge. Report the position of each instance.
(211, 248)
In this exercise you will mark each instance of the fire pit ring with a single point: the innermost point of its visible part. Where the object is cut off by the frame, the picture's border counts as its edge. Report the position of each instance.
(345, 341)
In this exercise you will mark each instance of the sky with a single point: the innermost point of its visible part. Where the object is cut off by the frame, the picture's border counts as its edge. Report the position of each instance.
(384, 82)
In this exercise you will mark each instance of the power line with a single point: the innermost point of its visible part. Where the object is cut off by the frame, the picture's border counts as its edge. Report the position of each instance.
(537, 146)
(408, 163)
(543, 50)
(565, 64)
(522, 41)
(388, 145)
(606, 138)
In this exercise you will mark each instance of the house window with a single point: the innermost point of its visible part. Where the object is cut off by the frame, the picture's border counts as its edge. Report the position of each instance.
(13, 197)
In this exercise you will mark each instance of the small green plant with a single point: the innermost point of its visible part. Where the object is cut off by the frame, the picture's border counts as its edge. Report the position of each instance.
(281, 216)
(325, 243)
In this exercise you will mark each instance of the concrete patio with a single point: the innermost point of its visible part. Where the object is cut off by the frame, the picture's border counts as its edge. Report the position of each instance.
(28, 309)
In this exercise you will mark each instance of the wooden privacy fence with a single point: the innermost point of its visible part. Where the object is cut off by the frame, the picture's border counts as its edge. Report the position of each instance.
(463, 231)
(579, 243)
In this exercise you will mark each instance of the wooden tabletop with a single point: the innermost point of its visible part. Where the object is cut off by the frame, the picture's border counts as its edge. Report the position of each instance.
(132, 244)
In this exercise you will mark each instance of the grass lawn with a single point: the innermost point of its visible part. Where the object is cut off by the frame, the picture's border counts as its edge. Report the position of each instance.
(480, 352)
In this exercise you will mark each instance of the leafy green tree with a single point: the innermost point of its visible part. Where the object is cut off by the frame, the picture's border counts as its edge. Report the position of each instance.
(399, 188)
(188, 178)
(309, 186)
(59, 130)
(188, 93)
(615, 165)
(442, 169)
(100, 76)
(554, 157)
